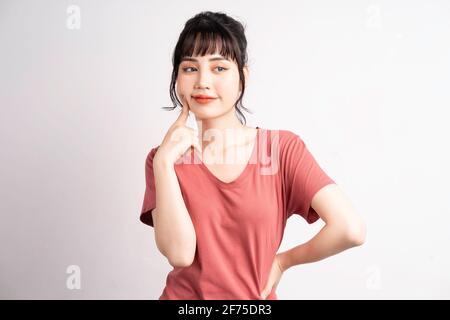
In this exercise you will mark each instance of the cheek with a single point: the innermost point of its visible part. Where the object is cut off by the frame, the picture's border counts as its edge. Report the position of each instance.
(227, 86)
(183, 85)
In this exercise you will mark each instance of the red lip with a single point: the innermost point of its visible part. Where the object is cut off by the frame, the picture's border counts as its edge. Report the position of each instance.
(203, 99)
(203, 96)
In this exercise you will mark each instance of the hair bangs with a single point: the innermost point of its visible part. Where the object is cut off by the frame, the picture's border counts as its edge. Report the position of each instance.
(203, 43)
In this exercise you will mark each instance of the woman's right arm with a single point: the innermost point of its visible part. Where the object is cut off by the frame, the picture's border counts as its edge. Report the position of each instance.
(174, 231)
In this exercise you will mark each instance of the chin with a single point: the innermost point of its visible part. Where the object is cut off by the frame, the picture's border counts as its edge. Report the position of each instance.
(203, 115)
(205, 109)
(207, 114)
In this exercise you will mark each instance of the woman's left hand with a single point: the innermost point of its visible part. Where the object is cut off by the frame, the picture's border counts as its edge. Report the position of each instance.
(274, 277)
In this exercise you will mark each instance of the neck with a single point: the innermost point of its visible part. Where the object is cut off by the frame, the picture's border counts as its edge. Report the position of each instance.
(226, 131)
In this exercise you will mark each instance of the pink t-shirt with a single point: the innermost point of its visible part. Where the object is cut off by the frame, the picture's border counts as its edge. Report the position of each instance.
(239, 225)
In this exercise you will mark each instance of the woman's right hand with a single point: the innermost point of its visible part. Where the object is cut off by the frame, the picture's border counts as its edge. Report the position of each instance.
(178, 138)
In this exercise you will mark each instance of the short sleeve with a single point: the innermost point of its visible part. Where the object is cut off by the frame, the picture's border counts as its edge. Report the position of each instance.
(302, 178)
(149, 202)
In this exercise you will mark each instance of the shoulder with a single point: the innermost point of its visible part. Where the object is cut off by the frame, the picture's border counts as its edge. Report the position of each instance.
(287, 140)
(288, 135)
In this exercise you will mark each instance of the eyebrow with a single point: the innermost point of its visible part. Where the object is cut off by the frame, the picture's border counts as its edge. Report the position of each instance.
(212, 59)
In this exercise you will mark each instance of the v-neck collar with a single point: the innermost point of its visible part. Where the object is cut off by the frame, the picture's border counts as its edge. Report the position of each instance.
(243, 174)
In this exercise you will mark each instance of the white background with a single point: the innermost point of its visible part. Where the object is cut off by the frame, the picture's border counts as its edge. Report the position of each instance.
(364, 83)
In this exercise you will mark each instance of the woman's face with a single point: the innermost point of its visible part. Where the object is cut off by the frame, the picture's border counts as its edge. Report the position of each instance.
(210, 75)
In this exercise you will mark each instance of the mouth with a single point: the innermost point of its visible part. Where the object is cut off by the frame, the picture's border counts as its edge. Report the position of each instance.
(202, 99)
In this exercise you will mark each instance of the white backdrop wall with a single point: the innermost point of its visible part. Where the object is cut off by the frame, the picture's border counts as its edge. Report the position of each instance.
(82, 83)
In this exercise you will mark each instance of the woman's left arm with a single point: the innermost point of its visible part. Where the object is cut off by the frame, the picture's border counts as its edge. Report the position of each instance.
(343, 229)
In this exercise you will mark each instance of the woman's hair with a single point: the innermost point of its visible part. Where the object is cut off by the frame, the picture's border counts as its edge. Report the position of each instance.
(207, 33)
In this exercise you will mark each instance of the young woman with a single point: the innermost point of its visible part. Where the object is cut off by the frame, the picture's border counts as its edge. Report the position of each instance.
(220, 223)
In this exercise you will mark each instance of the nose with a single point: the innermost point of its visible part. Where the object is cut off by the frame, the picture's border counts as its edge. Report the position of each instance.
(203, 80)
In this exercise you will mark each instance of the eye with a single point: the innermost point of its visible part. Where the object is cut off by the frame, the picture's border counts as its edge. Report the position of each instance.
(186, 69)
(221, 68)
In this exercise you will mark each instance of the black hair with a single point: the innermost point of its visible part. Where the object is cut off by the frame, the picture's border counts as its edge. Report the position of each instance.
(207, 33)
